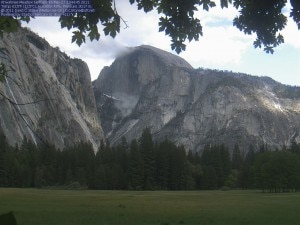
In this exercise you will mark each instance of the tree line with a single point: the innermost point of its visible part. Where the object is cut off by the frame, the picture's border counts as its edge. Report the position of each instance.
(147, 165)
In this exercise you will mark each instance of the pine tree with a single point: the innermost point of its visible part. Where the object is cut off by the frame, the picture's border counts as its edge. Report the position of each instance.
(147, 149)
(295, 148)
(226, 164)
(29, 161)
(195, 171)
(121, 154)
(162, 159)
(136, 167)
(209, 179)
(246, 176)
(178, 168)
(3, 149)
(85, 163)
(48, 160)
(237, 159)
(216, 161)
(104, 167)
(99, 176)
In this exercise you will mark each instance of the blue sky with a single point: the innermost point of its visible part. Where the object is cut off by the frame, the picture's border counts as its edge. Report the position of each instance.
(222, 47)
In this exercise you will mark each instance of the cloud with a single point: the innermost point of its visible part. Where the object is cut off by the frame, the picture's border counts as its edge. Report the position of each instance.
(219, 46)
(291, 34)
(217, 13)
(142, 28)
(222, 46)
(96, 54)
(221, 43)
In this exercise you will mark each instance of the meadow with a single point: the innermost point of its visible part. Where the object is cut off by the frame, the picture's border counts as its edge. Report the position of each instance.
(74, 207)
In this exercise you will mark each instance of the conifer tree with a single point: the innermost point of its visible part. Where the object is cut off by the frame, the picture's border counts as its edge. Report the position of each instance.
(136, 167)
(99, 176)
(246, 176)
(225, 161)
(295, 148)
(178, 168)
(237, 159)
(121, 154)
(162, 156)
(3, 149)
(209, 179)
(147, 149)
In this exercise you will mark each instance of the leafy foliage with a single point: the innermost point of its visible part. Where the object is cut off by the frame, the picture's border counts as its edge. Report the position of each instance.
(11, 24)
(178, 20)
(263, 18)
(295, 13)
(86, 23)
(8, 24)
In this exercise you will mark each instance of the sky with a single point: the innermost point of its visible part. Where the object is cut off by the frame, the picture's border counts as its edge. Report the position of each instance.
(222, 46)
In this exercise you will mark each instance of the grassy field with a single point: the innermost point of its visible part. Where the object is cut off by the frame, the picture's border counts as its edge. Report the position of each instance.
(64, 207)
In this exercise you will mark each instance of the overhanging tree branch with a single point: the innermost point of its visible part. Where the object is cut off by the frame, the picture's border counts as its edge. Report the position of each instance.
(26, 103)
(3, 78)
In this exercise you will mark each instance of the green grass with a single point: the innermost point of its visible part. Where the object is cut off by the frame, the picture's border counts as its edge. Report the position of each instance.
(62, 207)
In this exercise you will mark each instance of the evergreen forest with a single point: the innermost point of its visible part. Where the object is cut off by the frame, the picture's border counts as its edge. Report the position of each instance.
(147, 165)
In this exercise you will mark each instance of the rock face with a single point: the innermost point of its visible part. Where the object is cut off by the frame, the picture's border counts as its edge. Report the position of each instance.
(63, 109)
(147, 87)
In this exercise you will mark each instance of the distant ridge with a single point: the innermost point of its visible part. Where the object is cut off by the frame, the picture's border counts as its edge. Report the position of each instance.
(194, 107)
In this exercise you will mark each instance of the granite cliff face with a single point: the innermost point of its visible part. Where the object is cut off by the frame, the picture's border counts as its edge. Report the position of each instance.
(63, 109)
(147, 87)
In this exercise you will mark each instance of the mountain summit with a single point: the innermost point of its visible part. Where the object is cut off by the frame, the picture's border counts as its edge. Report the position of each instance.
(148, 87)
(46, 96)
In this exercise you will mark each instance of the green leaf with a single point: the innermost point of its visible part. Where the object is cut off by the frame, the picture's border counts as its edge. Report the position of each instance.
(163, 23)
(113, 27)
(269, 49)
(78, 37)
(66, 21)
(110, 30)
(224, 3)
(147, 5)
(178, 46)
(280, 39)
(8, 24)
(25, 18)
(94, 34)
(212, 4)
(237, 3)
(208, 4)
(295, 12)
(257, 43)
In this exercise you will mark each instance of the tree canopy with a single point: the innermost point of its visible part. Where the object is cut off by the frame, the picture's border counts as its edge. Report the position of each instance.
(145, 164)
(177, 19)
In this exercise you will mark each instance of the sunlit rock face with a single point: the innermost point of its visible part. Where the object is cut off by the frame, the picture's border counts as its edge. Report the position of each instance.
(148, 87)
(63, 110)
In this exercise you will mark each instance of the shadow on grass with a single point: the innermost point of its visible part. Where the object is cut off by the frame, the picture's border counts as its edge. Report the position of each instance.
(8, 219)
